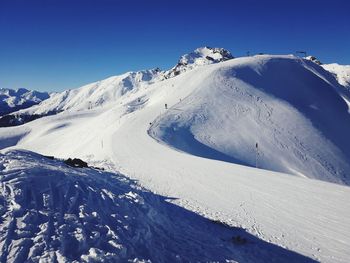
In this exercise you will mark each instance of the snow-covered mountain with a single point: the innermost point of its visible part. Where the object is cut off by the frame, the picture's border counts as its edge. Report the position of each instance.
(193, 136)
(199, 57)
(285, 104)
(97, 94)
(14, 100)
(342, 73)
(108, 91)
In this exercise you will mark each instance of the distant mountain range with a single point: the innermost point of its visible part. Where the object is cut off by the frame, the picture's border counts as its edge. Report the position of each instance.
(14, 100)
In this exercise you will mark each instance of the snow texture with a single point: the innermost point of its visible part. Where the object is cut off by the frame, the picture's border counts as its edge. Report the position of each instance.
(282, 103)
(342, 73)
(54, 213)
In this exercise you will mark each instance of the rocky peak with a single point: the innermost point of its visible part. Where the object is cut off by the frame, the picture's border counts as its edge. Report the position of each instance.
(313, 59)
(199, 57)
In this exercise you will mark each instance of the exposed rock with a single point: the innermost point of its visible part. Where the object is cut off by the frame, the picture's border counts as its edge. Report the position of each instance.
(77, 163)
(314, 59)
(201, 56)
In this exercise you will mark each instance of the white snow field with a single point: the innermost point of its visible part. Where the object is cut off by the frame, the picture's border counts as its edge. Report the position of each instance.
(201, 149)
(51, 212)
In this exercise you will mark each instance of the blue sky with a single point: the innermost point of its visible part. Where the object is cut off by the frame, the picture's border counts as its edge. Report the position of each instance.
(56, 44)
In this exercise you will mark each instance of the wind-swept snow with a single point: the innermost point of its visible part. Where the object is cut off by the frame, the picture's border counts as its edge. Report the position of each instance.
(54, 213)
(342, 72)
(220, 111)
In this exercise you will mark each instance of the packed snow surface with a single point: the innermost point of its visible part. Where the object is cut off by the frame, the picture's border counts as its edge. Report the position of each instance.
(51, 212)
(192, 136)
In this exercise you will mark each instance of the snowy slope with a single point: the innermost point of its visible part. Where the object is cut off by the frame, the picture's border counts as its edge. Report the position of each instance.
(106, 92)
(96, 94)
(220, 111)
(282, 103)
(54, 213)
(342, 72)
(342, 75)
(14, 100)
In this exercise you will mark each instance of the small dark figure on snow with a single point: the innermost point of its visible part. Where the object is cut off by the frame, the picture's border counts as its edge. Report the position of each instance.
(77, 163)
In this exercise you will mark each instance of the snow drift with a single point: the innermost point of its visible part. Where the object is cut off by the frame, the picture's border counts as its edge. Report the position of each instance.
(52, 212)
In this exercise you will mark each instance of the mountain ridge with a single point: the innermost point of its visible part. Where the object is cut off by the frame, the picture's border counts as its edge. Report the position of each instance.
(14, 100)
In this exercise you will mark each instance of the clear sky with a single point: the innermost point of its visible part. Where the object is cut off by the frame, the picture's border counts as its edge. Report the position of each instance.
(56, 44)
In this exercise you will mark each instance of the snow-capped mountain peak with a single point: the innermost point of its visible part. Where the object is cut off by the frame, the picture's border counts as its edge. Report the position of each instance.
(99, 93)
(108, 91)
(13, 100)
(199, 57)
(314, 59)
(205, 55)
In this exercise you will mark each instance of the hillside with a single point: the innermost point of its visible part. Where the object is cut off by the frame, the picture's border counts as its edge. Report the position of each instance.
(192, 137)
(342, 73)
(106, 92)
(285, 104)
